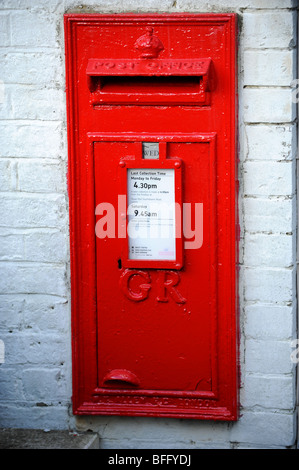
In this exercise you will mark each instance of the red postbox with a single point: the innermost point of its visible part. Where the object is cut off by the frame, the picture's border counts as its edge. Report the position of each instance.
(153, 223)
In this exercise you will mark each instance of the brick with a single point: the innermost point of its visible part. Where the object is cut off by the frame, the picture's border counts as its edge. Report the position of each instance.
(36, 312)
(266, 429)
(44, 385)
(10, 385)
(11, 247)
(269, 178)
(34, 417)
(46, 247)
(269, 250)
(32, 210)
(39, 68)
(269, 29)
(270, 142)
(33, 29)
(264, 4)
(46, 312)
(231, 5)
(269, 285)
(269, 68)
(35, 349)
(127, 443)
(268, 105)
(11, 314)
(32, 278)
(5, 101)
(14, 176)
(5, 175)
(275, 215)
(32, 5)
(40, 176)
(30, 102)
(4, 30)
(269, 322)
(162, 430)
(268, 357)
(112, 6)
(39, 139)
(268, 392)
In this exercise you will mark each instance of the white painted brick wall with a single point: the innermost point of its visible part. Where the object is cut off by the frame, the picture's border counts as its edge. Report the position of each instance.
(280, 178)
(272, 68)
(264, 249)
(35, 380)
(266, 321)
(269, 29)
(270, 215)
(282, 138)
(273, 105)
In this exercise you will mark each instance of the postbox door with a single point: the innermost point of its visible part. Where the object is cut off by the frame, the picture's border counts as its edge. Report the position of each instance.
(158, 324)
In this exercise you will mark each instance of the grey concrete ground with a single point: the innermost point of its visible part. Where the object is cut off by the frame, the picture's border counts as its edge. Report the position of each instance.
(41, 439)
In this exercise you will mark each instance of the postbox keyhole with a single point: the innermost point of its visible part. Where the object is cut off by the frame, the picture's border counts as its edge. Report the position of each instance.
(119, 263)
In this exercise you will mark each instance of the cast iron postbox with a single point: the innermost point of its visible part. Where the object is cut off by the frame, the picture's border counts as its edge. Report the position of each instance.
(152, 187)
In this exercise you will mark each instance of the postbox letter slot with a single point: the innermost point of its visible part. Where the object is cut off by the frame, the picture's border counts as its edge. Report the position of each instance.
(146, 84)
(145, 81)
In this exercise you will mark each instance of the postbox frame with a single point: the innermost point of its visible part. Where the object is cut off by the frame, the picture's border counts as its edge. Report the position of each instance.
(82, 237)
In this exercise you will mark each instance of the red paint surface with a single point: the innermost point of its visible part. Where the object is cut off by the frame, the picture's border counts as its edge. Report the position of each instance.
(163, 337)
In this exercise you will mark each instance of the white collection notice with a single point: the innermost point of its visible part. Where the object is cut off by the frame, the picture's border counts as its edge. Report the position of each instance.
(151, 214)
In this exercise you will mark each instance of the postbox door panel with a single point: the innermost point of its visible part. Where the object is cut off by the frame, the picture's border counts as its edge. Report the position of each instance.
(154, 322)
(153, 216)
